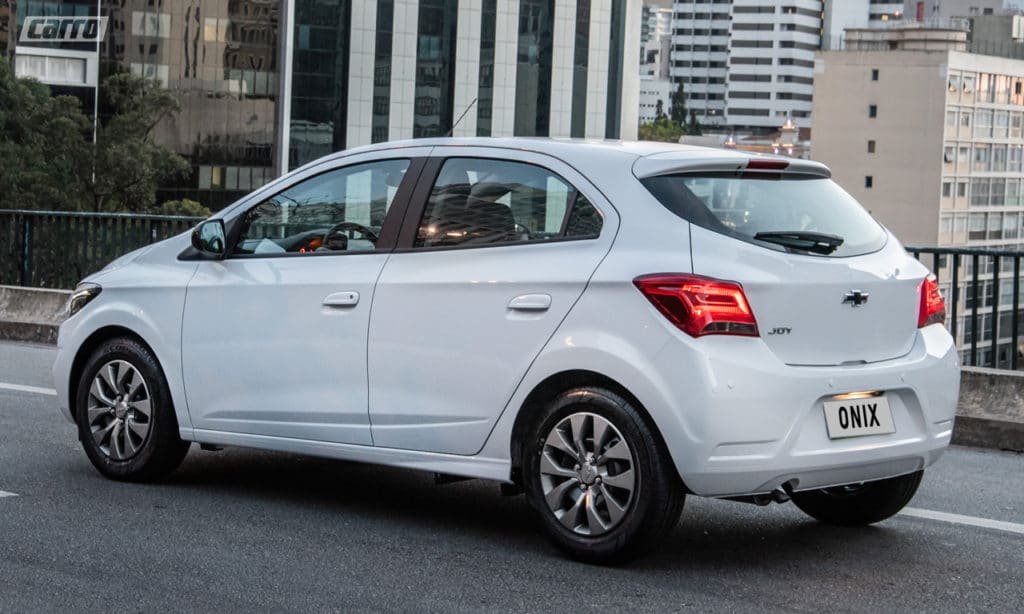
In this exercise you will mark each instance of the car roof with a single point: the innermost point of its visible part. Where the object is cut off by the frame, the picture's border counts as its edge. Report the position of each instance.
(647, 158)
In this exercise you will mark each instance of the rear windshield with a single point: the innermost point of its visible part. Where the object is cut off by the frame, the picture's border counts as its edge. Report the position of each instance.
(743, 206)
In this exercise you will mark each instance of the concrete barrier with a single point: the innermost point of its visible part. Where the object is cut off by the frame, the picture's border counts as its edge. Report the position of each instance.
(990, 414)
(31, 314)
(991, 410)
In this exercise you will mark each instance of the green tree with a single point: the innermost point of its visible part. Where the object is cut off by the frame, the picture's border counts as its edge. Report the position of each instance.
(677, 108)
(42, 143)
(662, 129)
(48, 160)
(129, 164)
(184, 206)
(659, 110)
(694, 127)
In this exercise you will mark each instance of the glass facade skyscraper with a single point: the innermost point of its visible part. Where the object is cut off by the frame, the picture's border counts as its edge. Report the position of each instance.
(268, 85)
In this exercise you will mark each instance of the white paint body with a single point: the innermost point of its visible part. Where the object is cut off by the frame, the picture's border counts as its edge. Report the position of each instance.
(429, 368)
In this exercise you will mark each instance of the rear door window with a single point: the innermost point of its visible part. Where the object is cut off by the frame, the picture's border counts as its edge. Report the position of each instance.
(773, 210)
(479, 202)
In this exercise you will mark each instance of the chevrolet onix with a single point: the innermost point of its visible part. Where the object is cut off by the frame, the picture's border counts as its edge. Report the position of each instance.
(608, 327)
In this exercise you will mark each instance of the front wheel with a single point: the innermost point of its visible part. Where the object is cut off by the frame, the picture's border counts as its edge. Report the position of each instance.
(862, 504)
(599, 477)
(125, 416)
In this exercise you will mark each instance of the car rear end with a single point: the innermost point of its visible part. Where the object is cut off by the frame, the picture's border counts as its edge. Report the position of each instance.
(816, 347)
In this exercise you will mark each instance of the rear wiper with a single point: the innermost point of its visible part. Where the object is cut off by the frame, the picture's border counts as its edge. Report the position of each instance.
(817, 242)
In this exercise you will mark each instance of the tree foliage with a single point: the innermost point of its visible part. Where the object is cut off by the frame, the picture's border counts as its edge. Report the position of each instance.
(50, 162)
(42, 141)
(694, 128)
(662, 129)
(184, 206)
(677, 108)
(129, 164)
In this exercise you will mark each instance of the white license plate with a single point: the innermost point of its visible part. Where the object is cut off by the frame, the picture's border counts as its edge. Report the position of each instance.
(859, 417)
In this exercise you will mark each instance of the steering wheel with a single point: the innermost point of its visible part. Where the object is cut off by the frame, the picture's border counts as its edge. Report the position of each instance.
(340, 242)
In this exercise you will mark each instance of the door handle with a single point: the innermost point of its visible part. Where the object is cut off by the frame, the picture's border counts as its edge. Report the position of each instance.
(530, 302)
(341, 299)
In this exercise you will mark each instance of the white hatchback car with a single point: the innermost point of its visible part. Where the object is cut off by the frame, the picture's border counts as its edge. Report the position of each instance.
(607, 326)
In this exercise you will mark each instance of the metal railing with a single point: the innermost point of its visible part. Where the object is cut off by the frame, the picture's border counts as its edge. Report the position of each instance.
(982, 290)
(56, 249)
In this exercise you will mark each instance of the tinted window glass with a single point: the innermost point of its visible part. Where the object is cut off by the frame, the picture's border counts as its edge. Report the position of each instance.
(745, 206)
(481, 202)
(340, 210)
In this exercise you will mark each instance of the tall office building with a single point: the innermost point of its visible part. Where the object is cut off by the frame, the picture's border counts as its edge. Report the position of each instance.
(267, 85)
(747, 64)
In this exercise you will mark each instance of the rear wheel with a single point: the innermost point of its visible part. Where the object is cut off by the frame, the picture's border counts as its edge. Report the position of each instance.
(599, 477)
(862, 504)
(125, 417)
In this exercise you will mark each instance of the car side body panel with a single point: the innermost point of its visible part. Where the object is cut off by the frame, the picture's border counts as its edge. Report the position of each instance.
(447, 343)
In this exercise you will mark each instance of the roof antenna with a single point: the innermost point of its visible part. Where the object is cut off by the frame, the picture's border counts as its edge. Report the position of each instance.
(459, 121)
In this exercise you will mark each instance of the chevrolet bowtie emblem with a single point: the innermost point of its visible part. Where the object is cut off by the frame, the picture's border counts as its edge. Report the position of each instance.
(855, 298)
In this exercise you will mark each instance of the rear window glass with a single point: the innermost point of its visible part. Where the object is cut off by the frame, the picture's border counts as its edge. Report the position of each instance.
(744, 206)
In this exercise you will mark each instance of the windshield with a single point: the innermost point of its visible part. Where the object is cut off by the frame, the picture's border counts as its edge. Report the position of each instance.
(752, 204)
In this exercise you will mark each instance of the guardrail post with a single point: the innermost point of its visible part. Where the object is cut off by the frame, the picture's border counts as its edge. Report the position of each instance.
(26, 251)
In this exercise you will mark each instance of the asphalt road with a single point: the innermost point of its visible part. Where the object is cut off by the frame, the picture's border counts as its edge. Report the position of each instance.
(242, 530)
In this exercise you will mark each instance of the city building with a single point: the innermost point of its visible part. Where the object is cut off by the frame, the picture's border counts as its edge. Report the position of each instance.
(943, 10)
(655, 22)
(652, 92)
(747, 64)
(841, 15)
(268, 85)
(929, 138)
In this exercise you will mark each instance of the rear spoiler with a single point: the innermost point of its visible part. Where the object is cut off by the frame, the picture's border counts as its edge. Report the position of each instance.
(717, 161)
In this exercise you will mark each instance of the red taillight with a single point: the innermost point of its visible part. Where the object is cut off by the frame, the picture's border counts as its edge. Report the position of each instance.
(700, 305)
(933, 308)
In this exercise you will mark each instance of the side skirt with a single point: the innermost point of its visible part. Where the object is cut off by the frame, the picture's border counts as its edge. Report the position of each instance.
(498, 469)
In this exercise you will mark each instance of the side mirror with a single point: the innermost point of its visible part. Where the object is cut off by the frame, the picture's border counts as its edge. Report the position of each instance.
(208, 239)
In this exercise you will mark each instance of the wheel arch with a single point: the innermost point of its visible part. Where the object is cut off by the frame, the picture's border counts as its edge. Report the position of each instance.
(560, 382)
(85, 350)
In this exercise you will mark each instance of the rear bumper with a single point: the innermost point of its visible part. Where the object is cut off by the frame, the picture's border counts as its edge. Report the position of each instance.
(761, 423)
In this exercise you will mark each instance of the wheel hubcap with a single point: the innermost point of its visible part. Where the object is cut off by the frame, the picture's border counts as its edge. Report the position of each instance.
(587, 474)
(119, 410)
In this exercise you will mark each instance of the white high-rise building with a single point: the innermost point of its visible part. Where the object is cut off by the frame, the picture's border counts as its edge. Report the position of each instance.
(747, 63)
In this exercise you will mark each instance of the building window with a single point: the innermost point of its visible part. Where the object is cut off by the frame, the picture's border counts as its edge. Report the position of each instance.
(485, 93)
(581, 63)
(382, 72)
(947, 189)
(873, 110)
(869, 181)
(435, 68)
(874, 74)
(871, 147)
(319, 94)
(533, 73)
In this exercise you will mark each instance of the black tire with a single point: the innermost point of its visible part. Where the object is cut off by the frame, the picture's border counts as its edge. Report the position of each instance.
(654, 506)
(861, 504)
(148, 457)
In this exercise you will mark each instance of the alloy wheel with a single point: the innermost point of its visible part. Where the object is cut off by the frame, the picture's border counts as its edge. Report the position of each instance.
(119, 410)
(587, 474)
